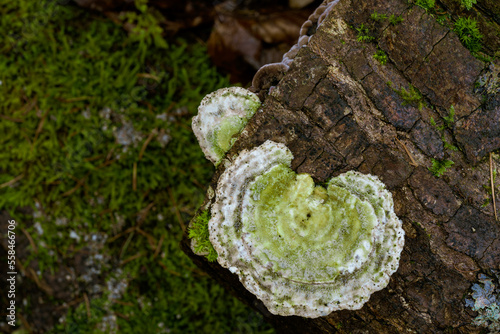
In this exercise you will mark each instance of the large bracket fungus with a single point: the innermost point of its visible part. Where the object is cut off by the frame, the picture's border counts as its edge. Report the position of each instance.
(301, 248)
(221, 116)
(273, 72)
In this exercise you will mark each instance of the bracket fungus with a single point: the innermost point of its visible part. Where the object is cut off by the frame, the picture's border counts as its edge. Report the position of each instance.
(221, 117)
(301, 248)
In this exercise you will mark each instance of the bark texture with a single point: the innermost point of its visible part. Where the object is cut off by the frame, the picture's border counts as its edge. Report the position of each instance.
(338, 109)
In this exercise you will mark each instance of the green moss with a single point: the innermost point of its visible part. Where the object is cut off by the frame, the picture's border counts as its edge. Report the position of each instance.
(448, 120)
(381, 57)
(364, 34)
(394, 20)
(469, 34)
(378, 17)
(428, 5)
(199, 232)
(82, 98)
(411, 96)
(468, 3)
(439, 167)
(448, 145)
(448, 123)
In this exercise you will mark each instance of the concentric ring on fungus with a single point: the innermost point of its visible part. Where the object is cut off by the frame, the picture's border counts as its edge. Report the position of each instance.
(301, 248)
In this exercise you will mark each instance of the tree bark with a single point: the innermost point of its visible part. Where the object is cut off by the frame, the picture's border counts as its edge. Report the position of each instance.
(338, 108)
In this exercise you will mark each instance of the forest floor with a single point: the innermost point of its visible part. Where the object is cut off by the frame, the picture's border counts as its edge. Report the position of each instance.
(101, 173)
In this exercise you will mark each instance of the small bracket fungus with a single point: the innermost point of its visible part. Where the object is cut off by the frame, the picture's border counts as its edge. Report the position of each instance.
(221, 117)
(301, 248)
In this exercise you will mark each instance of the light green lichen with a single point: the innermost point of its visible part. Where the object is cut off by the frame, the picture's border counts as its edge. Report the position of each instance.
(221, 117)
(302, 248)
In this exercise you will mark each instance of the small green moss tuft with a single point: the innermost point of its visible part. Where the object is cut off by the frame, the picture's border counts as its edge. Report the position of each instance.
(378, 17)
(448, 120)
(426, 4)
(364, 34)
(468, 3)
(468, 33)
(381, 57)
(448, 123)
(199, 232)
(439, 167)
(411, 96)
(394, 20)
(448, 145)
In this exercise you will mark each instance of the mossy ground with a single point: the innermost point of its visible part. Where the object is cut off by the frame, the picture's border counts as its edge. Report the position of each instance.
(96, 142)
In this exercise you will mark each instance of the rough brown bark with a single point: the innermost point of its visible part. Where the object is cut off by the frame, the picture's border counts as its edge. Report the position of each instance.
(336, 111)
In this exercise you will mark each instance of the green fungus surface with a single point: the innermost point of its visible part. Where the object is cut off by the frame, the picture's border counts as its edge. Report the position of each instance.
(229, 128)
(296, 222)
(302, 248)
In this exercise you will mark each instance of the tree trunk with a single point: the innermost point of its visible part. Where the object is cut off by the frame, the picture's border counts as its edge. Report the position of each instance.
(338, 108)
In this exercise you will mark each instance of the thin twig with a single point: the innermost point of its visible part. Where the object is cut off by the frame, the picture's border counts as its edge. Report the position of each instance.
(119, 302)
(40, 127)
(150, 137)
(12, 119)
(144, 213)
(19, 264)
(27, 138)
(29, 106)
(169, 270)
(11, 182)
(87, 304)
(110, 154)
(195, 270)
(493, 188)
(97, 157)
(121, 315)
(177, 213)
(30, 239)
(465, 271)
(75, 99)
(75, 188)
(107, 163)
(127, 242)
(41, 284)
(133, 257)
(413, 162)
(151, 239)
(149, 76)
(128, 230)
(69, 304)
(198, 184)
(134, 177)
(158, 248)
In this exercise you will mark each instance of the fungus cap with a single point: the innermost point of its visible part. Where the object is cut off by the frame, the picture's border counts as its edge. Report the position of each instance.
(301, 248)
(221, 117)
